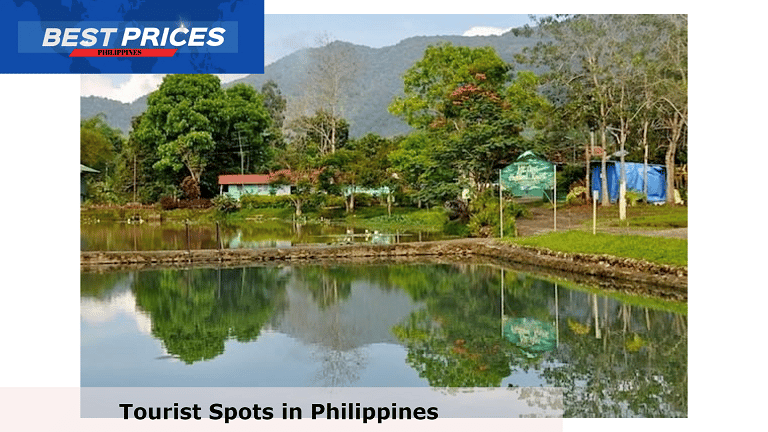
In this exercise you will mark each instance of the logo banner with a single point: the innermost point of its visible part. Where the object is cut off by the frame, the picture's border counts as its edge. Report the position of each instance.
(120, 36)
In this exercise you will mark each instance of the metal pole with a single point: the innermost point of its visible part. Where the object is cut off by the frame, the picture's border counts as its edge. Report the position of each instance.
(501, 210)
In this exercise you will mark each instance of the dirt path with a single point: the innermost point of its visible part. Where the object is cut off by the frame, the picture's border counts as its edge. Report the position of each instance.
(579, 218)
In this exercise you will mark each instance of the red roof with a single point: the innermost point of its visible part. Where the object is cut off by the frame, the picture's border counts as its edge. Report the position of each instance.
(258, 179)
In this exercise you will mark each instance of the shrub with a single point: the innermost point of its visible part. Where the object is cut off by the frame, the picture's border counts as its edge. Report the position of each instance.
(484, 216)
(225, 203)
(334, 201)
(265, 201)
(363, 200)
(633, 198)
(198, 203)
(168, 203)
(577, 195)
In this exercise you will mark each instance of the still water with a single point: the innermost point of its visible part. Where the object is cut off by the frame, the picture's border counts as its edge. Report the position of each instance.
(121, 236)
(410, 325)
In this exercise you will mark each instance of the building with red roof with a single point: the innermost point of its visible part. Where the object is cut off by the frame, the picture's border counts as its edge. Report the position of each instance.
(236, 185)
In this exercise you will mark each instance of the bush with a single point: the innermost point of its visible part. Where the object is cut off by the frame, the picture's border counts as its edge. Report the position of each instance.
(484, 216)
(334, 201)
(168, 203)
(226, 204)
(198, 203)
(633, 198)
(363, 200)
(577, 195)
(265, 201)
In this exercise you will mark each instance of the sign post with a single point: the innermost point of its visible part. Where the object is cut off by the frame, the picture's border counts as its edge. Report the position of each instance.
(501, 210)
(594, 212)
(554, 193)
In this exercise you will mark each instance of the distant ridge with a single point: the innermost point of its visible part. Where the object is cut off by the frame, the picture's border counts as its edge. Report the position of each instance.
(377, 82)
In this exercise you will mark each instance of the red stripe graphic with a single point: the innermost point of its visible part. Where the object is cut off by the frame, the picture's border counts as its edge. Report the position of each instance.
(128, 52)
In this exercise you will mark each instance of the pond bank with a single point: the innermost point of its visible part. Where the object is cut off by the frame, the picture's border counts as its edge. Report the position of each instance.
(656, 279)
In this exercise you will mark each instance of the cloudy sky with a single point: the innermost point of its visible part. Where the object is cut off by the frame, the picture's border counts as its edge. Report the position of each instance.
(284, 34)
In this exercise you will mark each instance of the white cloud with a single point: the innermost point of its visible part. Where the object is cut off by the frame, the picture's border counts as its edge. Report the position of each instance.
(128, 88)
(101, 311)
(486, 31)
(118, 88)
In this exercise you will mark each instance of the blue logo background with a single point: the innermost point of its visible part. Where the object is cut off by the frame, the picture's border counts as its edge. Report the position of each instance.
(245, 54)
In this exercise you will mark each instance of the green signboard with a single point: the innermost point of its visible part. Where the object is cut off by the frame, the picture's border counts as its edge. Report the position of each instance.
(529, 176)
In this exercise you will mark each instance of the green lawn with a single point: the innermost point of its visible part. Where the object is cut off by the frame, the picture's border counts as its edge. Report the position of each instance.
(645, 216)
(654, 249)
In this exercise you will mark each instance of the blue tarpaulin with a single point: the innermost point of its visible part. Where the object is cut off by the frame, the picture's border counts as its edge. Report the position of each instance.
(657, 191)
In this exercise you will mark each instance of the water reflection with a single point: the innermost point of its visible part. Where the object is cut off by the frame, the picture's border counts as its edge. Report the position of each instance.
(116, 236)
(397, 325)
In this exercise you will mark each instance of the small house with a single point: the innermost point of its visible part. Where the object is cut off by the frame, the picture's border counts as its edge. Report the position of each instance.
(83, 187)
(237, 185)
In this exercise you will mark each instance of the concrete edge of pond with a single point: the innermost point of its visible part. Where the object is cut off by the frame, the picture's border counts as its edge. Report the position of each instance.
(605, 271)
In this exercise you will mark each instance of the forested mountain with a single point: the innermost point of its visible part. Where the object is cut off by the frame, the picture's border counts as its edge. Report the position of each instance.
(377, 79)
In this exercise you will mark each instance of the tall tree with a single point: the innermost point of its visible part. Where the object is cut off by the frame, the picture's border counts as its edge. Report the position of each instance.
(460, 96)
(330, 71)
(619, 69)
(191, 123)
(275, 103)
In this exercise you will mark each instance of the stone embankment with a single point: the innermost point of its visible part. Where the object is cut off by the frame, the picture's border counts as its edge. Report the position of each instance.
(608, 272)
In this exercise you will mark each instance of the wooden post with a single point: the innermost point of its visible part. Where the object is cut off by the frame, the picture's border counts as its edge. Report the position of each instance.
(554, 193)
(502, 302)
(218, 236)
(501, 210)
(594, 212)
(186, 225)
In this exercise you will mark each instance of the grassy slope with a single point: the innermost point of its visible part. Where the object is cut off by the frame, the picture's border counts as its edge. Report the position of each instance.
(653, 249)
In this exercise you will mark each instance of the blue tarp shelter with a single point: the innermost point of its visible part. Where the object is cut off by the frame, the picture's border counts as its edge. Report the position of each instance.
(657, 191)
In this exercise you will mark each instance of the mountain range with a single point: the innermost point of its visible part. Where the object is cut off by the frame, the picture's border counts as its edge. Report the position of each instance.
(378, 78)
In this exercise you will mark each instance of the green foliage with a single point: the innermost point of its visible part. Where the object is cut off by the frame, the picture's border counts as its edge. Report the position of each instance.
(484, 216)
(265, 201)
(334, 201)
(194, 313)
(634, 198)
(429, 83)
(364, 200)
(191, 123)
(432, 220)
(577, 195)
(459, 101)
(225, 203)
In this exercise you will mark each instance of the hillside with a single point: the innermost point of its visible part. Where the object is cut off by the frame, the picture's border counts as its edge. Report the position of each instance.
(377, 81)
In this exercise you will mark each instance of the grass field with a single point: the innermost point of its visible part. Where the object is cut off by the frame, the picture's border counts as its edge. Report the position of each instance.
(654, 249)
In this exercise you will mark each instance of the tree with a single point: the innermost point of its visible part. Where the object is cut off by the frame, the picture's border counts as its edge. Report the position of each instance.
(322, 131)
(330, 70)
(99, 147)
(673, 91)
(459, 96)
(415, 162)
(578, 54)
(275, 104)
(191, 123)
(362, 163)
(619, 70)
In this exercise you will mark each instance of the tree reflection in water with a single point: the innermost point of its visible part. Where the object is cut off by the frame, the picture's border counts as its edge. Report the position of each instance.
(613, 357)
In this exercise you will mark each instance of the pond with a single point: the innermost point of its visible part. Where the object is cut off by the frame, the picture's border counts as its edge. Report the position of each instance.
(396, 325)
(122, 236)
